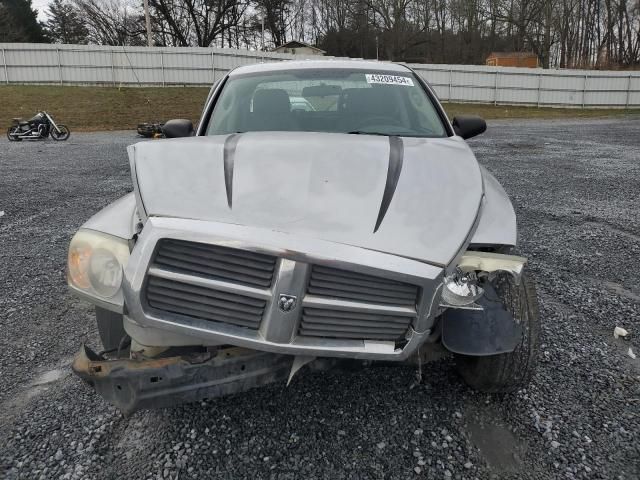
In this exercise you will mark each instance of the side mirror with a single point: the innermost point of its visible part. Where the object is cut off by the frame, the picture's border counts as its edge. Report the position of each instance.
(468, 126)
(178, 128)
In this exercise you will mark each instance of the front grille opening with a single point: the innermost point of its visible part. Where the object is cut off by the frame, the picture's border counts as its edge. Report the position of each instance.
(216, 262)
(357, 287)
(204, 303)
(344, 324)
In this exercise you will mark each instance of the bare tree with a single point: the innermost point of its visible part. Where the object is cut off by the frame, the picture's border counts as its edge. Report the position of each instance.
(562, 33)
(112, 22)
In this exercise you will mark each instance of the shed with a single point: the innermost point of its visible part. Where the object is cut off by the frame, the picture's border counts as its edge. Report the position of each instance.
(297, 47)
(513, 59)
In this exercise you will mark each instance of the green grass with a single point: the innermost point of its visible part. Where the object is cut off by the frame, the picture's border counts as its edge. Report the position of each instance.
(108, 108)
(492, 112)
(101, 108)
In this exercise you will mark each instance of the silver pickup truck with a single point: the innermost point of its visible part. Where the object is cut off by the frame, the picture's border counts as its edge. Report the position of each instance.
(274, 238)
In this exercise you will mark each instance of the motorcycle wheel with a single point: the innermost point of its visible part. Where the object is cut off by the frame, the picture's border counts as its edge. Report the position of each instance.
(11, 138)
(63, 135)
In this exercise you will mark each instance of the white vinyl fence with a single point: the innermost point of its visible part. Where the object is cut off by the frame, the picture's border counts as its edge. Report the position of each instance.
(158, 66)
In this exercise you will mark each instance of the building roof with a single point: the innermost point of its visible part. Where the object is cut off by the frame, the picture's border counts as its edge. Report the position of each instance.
(370, 65)
(297, 44)
(512, 55)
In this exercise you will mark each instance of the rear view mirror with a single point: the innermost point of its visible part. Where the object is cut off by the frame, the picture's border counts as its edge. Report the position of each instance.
(321, 91)
(468, 126)
(178, 128)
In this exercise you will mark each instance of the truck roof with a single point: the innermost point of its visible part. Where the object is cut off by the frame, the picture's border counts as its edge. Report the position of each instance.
(321, 64)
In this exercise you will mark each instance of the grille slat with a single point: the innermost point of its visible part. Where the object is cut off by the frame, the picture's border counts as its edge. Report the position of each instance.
(318, 322)
(339, 314)
(357, 287)
(188, 288)
(212, 301)
(216, 262)
(348, 335)
(218, 273)
(228, 261)
(357, 295)
(318, 276)
(205, 315)
(154, 298)
(390, 322)
(227, 251)
(354, 276)
(352, 329)
(204, 303)
(335, 284)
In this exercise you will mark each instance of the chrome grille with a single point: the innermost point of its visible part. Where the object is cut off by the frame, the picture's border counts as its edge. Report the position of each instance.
(357, 287)
(381, 309)
(204, 303)
(216, 262)
(317, 322)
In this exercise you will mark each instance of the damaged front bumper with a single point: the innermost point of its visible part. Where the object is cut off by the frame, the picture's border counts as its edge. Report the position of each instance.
(133, 385)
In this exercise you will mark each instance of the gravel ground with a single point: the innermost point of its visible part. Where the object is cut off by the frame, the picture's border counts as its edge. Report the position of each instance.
(575, 188)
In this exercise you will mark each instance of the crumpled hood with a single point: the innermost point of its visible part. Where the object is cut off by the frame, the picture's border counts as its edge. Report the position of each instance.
(414, 197)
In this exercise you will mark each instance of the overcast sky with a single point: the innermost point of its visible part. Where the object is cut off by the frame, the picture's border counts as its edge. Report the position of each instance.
(41, 6)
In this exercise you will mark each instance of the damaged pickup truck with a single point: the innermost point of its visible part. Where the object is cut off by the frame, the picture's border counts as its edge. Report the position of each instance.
(274, 237)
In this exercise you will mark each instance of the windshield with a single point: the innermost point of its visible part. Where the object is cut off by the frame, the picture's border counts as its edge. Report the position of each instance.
(326, 100)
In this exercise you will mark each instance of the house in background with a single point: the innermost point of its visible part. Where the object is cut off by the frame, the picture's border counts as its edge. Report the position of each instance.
(297, 47)
(512, 59)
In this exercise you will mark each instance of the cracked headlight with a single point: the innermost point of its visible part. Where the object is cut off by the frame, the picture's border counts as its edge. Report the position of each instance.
(461, 288)
(95, 265)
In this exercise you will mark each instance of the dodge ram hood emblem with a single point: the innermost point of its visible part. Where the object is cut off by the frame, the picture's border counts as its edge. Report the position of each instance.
(286, 303)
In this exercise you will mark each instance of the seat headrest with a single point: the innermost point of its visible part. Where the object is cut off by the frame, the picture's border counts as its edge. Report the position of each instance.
(368, 100)
(271, 101)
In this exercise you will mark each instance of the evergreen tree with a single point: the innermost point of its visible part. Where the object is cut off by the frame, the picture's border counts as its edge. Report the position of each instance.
(65, 24)
(19, 22)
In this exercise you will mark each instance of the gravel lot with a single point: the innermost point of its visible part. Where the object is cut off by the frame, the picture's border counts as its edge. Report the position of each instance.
(576, 190)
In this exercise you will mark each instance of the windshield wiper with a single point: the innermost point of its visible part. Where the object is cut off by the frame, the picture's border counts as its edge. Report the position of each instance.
(363, 132)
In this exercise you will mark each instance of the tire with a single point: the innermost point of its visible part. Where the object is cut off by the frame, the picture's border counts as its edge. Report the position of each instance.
(110, 328)
(12, 139)
(508, 372)
(64, 134)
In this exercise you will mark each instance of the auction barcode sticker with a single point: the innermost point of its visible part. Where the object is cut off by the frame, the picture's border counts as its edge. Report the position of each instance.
(388, 79)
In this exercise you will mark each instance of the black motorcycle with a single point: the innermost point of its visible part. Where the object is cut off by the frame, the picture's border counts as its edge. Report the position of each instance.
(38, 127)
(150, 130)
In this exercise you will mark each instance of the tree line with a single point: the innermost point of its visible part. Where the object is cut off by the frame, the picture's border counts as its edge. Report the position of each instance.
(562, 33)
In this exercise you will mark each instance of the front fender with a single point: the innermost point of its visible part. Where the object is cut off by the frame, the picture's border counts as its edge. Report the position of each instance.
(118, 218)
(497, 225)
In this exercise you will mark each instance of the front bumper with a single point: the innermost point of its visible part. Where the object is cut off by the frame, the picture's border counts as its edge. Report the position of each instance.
(133, 385)
(279, 332)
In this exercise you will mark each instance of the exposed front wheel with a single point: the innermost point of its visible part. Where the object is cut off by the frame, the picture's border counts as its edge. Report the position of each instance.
(10, 136)
(61, 134)
(508, 372)
(110, 329)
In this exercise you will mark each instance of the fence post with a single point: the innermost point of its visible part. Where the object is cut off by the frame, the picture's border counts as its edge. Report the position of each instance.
(6, 70)
(626, 103)
(539, 87)
(113, 70)
(162, 65)
(213, 67)
(495, 92)
(584, 90)
(59, 65)
(450, 82)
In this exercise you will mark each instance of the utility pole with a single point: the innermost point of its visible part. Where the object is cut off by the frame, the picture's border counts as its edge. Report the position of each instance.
(148, 20)
(262, 40)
